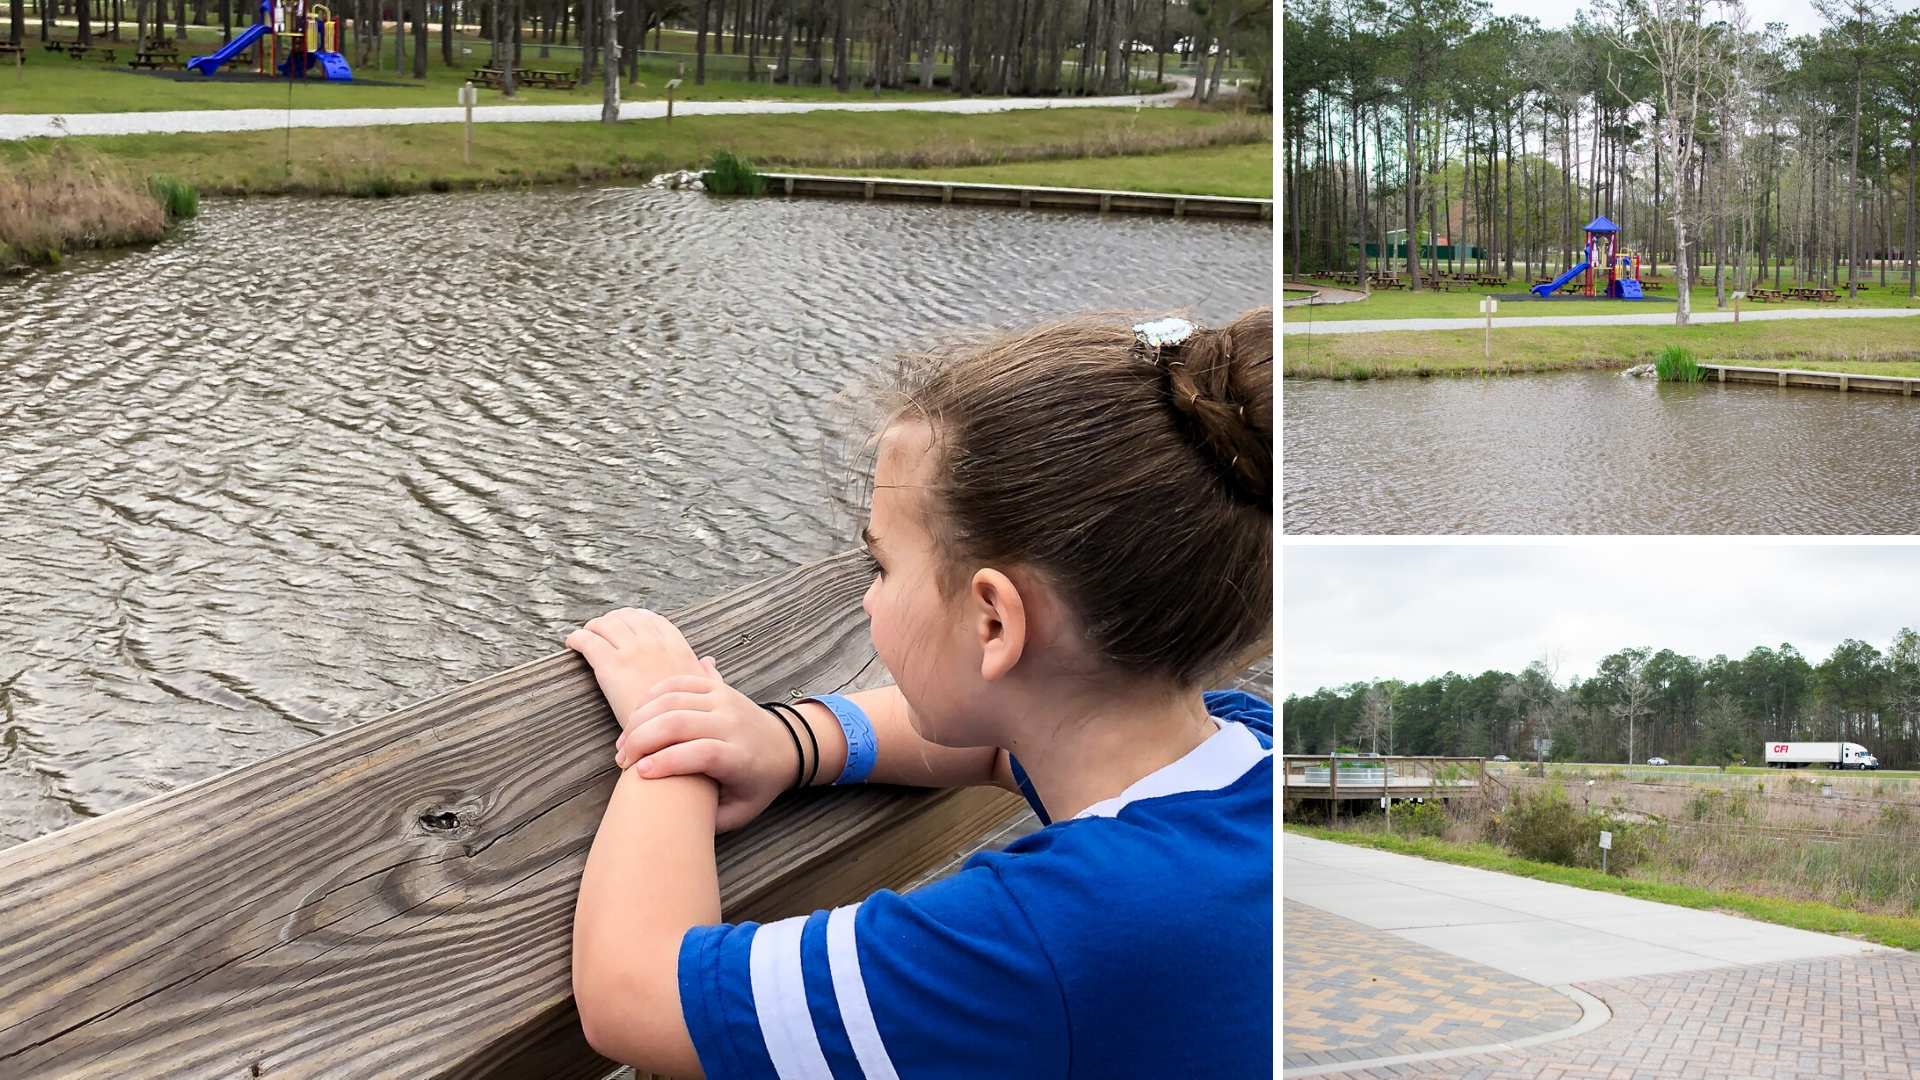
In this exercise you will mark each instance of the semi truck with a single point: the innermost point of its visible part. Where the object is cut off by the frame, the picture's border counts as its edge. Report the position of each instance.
(1833, 755)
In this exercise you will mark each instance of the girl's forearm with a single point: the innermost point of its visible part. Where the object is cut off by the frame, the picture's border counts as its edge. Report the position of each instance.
(904, 757)
(650, 875)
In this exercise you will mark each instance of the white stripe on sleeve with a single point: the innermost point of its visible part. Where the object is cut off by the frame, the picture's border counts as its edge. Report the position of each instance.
(851, 993)
(780, 1001)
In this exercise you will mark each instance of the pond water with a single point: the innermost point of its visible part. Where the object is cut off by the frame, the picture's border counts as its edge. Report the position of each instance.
(1592, 452)
(314, 460)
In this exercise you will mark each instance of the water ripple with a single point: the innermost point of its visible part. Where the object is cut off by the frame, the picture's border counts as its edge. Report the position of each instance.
(317, 459)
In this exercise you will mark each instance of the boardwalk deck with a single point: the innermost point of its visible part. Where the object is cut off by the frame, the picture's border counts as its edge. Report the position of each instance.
(397, 899)
(1344, 778)
(1821, 380)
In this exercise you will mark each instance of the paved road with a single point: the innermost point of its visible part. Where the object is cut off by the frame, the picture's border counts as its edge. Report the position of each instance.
(1374, 326)
(1664, 993)
(37, 125)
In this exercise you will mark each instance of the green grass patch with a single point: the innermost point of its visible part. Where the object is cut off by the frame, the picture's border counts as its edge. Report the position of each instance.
(1892, 930)
(427, 157)
(179, 198)
(1676, 364)
(1888, 346)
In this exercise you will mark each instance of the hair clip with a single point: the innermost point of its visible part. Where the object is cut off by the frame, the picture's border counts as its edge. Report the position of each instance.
(1162, 333)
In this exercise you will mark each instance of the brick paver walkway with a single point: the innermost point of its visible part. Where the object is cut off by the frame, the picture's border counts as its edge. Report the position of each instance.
(1353, 994)
(1848, 1017)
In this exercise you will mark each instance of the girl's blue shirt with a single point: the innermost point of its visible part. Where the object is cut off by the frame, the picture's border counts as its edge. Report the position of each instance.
(1135, 939)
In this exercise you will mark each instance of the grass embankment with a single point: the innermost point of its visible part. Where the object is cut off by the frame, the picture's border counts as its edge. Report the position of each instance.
(1894, 930)
(1586, 770)
(1888, 346)
(405, 159)
(1465, 304)
(1233, 157)
(68, 200)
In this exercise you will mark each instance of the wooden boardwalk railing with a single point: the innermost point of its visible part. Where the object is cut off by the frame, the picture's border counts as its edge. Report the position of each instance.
(397, 899)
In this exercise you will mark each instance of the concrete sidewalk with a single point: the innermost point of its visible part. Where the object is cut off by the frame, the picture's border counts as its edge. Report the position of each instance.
(49, 125)
(1658, 318)
(1664, 992)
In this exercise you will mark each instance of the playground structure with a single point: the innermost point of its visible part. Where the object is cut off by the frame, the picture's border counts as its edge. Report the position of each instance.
(307, 35)
(1622, 267)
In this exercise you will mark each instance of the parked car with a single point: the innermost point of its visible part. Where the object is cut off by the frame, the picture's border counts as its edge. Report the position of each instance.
(1501, 757)
(1656, 761)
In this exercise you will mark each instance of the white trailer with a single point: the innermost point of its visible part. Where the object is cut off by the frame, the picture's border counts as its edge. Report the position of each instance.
(1833, 755)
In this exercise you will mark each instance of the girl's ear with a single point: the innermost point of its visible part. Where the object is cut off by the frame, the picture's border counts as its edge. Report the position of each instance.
(999, 617)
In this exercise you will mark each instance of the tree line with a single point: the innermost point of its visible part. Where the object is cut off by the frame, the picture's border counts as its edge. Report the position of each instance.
(1638, 703)
(1725, 151)
(1018, 47)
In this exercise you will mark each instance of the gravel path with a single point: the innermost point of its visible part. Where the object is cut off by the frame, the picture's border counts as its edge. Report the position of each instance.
(53, 125)
(1322, 295)
(1375, 326)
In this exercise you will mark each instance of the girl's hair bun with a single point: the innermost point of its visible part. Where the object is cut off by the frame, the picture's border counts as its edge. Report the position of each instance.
(1220, 385)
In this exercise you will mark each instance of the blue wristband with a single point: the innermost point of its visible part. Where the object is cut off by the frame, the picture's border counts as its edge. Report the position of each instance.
(862, 750)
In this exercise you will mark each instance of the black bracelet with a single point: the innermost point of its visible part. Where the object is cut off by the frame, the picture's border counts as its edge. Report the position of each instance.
(800, 769)
(815, 775)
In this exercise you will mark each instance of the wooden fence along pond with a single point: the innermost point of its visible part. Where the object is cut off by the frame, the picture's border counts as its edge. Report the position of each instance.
(397, 899)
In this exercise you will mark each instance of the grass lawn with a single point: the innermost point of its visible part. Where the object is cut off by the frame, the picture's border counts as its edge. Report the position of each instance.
(1465, 304)
(1868, 346)
(395, 160)
(1245, 171)
(1894, 930)
(52, 83)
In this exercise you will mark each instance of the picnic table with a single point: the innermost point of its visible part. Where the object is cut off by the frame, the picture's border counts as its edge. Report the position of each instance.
(1765, 295)
(156, 58)
(555, 80)
(106, 53)
(1823, 296)
(9, 49)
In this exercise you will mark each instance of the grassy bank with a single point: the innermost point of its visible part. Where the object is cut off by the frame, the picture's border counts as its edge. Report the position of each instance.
(1244, 171)
(1897, 931)
(66, 199)
(1867, 346)
(1465, 304)
(400, 160)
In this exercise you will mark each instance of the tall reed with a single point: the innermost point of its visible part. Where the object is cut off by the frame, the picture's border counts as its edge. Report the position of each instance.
(1675, 364)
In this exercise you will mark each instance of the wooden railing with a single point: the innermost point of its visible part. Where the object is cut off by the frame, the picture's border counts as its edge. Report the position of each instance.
(397, 899)
(1345, 776)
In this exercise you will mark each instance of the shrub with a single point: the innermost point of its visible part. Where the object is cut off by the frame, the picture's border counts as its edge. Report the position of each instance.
(1542, 825)
(1675, 364)
(730, 175)
(1418, 819)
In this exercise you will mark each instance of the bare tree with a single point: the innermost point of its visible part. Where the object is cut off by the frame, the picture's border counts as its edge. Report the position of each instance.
(1376, 716)
(1635, 693)
(1687, 57)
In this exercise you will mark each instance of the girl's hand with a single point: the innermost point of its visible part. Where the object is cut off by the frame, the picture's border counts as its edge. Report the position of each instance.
(699, 724)
(630, 650)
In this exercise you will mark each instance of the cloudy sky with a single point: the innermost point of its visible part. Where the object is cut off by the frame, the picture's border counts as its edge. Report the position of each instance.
(1799, 15)
(1353, 612)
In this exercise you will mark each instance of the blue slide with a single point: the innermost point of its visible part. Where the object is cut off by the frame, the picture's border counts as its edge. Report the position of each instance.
(1544, 291)
(207, 65)
(335, 65)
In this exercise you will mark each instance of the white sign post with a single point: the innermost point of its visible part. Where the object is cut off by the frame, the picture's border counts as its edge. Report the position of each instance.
(1606, 845)
(1737, 297)
(671, 83)
(1488, 305)
(468, 97)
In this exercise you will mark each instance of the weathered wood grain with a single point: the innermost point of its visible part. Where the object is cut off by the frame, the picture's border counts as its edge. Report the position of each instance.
(397, 899)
